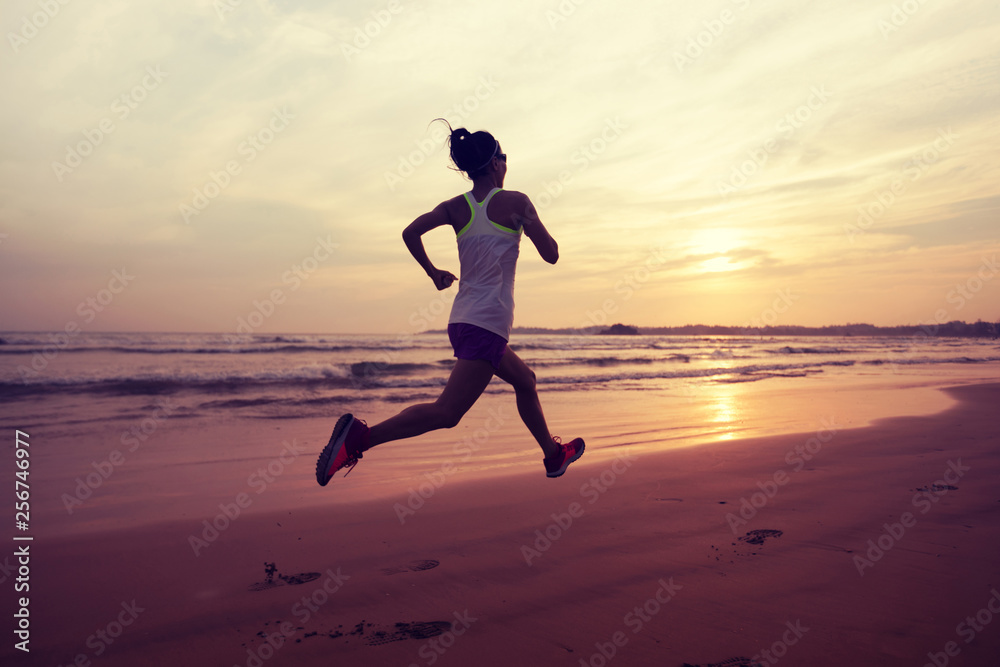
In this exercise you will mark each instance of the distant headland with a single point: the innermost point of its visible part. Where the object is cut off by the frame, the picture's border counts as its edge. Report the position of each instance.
(979, 329)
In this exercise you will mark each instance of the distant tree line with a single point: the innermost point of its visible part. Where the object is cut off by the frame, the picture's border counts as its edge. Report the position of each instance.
(953, 329)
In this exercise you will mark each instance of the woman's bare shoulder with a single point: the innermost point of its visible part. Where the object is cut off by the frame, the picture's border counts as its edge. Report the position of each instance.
(457, 209)
(518, 206)
(512, 195)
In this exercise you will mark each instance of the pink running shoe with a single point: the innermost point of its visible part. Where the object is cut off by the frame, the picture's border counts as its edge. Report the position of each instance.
(348, 442)
(556, 466)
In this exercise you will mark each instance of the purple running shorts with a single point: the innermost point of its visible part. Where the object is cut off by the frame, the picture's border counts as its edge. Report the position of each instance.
(472, 342)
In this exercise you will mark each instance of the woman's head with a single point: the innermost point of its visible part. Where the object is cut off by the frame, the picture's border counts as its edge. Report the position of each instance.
(475, 152)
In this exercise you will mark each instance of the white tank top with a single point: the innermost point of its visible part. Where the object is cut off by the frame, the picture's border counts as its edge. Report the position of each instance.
(487, 253)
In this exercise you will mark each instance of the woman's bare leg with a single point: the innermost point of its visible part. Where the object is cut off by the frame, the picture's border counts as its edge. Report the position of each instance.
(514, 371)
(466, 384)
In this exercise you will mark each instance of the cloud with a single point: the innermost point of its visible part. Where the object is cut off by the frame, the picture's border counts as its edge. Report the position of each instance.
(356, 160)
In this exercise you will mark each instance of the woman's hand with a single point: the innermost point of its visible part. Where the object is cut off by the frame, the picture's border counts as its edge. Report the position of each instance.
(411, 237)
(442, 279)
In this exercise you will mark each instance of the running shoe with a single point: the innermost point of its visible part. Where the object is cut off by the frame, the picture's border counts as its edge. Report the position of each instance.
(556, 466)
(348, 442)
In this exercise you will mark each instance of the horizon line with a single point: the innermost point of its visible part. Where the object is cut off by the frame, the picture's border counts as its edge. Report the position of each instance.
(529, 328)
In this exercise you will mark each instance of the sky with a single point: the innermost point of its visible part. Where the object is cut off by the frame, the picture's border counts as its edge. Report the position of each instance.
(249, 165)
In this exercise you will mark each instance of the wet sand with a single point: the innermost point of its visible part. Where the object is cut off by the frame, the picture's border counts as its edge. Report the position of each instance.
(839, 546)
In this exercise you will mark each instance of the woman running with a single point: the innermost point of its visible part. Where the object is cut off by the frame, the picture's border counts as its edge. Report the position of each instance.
(488, 222)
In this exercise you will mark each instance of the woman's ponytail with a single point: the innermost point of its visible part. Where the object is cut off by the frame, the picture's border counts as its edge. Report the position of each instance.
(471, 152)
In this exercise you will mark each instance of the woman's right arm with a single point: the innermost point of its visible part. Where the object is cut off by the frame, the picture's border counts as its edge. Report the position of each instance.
(411, 237)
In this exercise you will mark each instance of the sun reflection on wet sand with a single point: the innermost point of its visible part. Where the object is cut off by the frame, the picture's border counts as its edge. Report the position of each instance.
(726, 409)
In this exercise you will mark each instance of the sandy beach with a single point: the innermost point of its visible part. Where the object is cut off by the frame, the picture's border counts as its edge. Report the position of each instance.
(840, 546)
(753, 249)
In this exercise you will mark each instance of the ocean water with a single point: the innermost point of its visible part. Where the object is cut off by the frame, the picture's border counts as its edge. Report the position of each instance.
(114, 375)
(134, 428)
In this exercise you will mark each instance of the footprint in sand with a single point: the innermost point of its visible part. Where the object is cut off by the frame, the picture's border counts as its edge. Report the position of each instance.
(731, 662)
(753, 538)
(758, 536)
(270, 570)
(404, 631)
(937, 488)
(378, 637)
(412, 566)
(397, 633)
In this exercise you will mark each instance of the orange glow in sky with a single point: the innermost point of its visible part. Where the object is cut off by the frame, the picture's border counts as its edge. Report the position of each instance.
(692, 160)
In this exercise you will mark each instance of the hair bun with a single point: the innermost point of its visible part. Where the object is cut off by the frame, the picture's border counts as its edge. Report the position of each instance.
(472, 151)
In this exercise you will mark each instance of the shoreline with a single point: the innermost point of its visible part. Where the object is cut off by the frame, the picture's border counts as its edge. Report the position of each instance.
(559, 565)
(273, 460)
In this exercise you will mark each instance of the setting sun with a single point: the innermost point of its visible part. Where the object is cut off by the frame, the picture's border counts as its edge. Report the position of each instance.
(716, 244)
(245, 242)
(717, 264)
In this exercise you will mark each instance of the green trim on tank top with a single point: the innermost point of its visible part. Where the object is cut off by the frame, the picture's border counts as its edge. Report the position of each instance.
(506, 229)
(472, 216)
